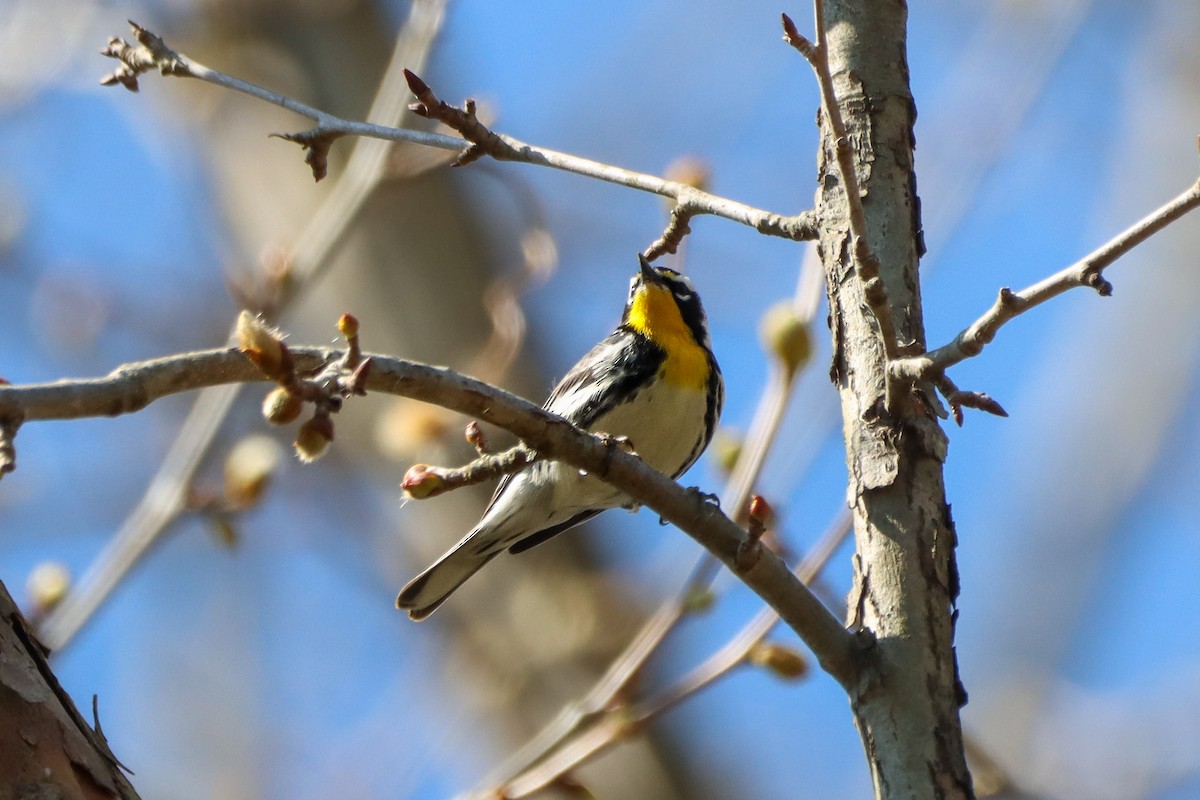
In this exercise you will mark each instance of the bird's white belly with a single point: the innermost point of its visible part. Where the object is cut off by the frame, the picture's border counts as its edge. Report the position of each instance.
(663, 424)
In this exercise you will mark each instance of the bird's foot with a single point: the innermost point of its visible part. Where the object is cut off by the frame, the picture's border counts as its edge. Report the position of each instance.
(708, 498)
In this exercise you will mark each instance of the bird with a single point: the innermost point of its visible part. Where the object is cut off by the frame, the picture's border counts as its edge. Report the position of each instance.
(653, 382)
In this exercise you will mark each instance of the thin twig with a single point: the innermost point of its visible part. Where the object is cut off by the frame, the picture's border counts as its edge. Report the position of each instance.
(422, 481)
(153, 54)
(135, 385)
(617, 723)
(865, 260)
(672, 237)
(166, 496)
(1088, 272)
(482, 141)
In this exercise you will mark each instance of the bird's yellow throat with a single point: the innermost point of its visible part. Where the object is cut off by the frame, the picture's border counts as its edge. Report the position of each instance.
(654, 314)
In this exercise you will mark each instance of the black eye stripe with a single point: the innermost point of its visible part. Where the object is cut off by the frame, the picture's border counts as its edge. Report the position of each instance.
(679, 286)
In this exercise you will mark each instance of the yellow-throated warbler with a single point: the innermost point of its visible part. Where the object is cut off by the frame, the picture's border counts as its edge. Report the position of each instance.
(653, 380)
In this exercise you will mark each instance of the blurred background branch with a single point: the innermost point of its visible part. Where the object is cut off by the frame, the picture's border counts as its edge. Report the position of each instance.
(1043, 127)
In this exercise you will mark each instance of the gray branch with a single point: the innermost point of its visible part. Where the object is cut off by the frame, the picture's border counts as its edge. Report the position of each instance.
(132, 387)
(1088, 271)
(152, 54)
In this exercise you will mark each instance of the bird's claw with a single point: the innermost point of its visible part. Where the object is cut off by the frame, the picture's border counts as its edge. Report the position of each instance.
(619, 442)
(707, 498)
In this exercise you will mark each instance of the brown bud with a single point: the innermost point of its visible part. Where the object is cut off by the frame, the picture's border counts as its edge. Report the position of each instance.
(313, 438)
(421, 482)
(783, 661)
(249, 468)
(690, 170)
(475, 437)
(263, 345)
(760, 510)
(280, 406)
(347, 326)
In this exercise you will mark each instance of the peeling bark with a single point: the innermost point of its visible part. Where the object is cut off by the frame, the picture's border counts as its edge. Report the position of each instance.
(47, 750)
(905, 581)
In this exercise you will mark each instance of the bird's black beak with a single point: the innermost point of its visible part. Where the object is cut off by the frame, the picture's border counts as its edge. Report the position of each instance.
(648, 273)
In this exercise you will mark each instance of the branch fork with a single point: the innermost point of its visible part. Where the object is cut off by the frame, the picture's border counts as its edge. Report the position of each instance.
(423, 481)
(462, 120)
(1088, 272)
(677, 228)
(151, 52)
(325, 387)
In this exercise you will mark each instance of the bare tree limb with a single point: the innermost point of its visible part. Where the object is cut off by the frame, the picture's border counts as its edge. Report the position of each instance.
(616, 723)
(423, 481)
(865, 260)
(1088, 271)
(133, 386)
(151, 53)
(166, 495)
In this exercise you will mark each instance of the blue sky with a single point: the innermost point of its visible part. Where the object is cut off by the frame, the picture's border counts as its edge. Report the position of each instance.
(1043, 130)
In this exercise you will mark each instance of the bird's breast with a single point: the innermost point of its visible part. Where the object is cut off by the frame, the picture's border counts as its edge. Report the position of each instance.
(664, 421)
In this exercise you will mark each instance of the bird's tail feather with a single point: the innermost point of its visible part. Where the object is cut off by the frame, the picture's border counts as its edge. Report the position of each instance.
(424, 593)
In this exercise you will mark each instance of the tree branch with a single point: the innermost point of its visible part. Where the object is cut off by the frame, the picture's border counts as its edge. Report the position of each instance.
(423, 481)
(616, 723)
(132, 387)
(309, 257)
(865, 260)
(1088, 271)
(151, 53)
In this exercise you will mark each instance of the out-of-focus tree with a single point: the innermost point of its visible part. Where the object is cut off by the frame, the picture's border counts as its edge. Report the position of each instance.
(286, 663)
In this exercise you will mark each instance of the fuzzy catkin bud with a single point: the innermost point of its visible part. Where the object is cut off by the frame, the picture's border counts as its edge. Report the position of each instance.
(249, 468)
(280, 406)
(726, 449)
(783, 661)
(263, 346)
(47, 585)
(786, 336)
(313, 438)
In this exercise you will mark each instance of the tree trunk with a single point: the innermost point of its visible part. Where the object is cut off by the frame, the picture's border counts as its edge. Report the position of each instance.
(905, 578)
(46, 748)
